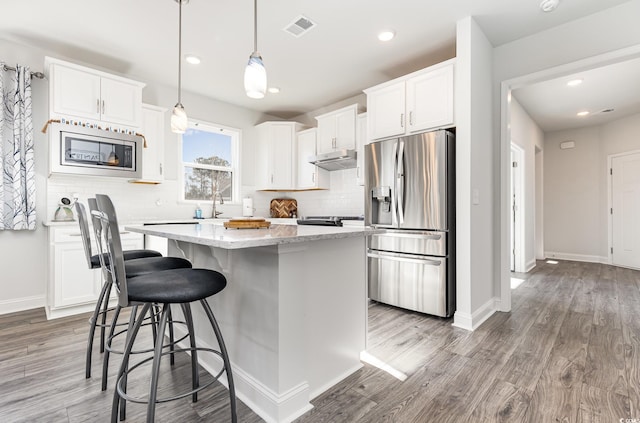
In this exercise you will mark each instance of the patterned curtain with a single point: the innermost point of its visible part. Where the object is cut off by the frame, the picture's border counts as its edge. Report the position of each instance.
(17, 185)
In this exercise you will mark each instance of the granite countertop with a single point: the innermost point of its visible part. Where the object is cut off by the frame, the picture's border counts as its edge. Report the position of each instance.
(216, 235)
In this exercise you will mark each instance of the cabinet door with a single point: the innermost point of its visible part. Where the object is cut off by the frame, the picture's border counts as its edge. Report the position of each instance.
(361, 140)
(120, 102)
(345, 129)
(75, 93)
(385, 108)
(283, 154)
(153, 155)
(74, 282)
(309, 175)
(430, 100)
(326, 134)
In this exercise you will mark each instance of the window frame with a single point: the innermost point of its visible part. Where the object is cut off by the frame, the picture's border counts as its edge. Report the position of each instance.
(236, 136)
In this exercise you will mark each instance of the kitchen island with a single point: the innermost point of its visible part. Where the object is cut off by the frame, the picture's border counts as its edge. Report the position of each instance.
(293, 313)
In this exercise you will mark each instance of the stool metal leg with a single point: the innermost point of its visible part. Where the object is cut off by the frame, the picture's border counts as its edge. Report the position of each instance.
(155, 370)
(172, 358)
(92, 329)
(195, 376)
(107, 353)
(131, 337)
(105, 308)
(225, 359)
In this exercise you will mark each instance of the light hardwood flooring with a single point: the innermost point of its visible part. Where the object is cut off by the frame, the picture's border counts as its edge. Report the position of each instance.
(568, 352)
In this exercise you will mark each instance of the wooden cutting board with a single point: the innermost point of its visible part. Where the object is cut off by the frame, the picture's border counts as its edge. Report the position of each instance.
(283, 207)
(246, 224)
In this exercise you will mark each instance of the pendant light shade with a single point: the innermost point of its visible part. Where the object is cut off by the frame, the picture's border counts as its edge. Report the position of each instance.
(255, 74)
(179, 119)
(179, 116)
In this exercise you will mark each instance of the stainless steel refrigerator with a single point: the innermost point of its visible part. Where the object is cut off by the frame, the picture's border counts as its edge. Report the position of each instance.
(409, 190)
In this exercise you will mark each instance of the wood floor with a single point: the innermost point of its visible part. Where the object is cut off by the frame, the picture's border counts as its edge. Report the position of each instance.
(568, 352)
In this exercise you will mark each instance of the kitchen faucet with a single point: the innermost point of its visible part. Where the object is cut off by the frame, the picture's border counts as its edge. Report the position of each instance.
(214, 213)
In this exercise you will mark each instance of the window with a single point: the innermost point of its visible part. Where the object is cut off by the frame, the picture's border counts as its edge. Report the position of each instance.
(210, 157)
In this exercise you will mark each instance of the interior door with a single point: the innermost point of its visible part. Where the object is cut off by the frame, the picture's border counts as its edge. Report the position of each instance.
(625, 196)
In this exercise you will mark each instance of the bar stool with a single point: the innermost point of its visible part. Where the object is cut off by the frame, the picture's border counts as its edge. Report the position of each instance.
(177, 286)
(138, 262)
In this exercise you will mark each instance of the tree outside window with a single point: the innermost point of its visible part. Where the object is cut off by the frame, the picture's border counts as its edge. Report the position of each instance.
(209, 162)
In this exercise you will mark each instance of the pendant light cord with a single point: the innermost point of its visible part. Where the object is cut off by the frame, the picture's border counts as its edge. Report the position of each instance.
(255, 26)
(180, 53)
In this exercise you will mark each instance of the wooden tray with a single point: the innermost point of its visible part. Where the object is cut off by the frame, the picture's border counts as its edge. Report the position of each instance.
(246, 224)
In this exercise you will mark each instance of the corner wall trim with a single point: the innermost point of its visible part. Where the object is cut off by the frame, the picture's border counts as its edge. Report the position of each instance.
(21, 304)
(576, 257)
(472, 321)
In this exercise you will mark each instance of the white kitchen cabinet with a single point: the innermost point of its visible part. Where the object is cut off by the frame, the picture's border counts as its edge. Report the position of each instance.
(88, 95)
(337, 130)
(72, 287)
(361, 141)
(414, 103)
(153, 130)
(309, 176)
(277, 156)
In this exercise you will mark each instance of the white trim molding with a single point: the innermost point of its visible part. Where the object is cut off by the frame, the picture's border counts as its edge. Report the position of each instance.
(472, 321)
(576, 257)
(21, 304)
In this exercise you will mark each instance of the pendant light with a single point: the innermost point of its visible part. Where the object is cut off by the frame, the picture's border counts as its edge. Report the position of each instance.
(179, 116)
(255, 75)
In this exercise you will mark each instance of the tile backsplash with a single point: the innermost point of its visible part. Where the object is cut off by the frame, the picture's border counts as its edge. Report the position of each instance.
(141, 202)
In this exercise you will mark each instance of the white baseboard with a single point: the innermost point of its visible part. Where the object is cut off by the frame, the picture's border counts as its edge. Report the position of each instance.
(21, 304)
(272, 407)
(576, 257)
(529, 266)
(472, 321)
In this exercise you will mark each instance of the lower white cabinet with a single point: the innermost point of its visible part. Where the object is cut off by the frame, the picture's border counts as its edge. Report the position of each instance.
(72, 287)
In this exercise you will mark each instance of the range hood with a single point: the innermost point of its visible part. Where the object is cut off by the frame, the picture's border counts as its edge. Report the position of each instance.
(335, 160)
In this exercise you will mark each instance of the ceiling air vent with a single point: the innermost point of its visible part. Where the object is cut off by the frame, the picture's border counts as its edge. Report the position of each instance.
(300, 26)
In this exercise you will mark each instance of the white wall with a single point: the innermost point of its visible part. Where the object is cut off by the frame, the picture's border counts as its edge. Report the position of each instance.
(474, 164)
(576, 188)
(527, 135)
(572, 189)
(554, 50)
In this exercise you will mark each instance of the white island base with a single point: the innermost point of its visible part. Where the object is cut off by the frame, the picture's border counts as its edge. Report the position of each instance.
(293, 316)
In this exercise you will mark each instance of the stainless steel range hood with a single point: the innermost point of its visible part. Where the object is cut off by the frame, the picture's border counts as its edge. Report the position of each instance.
(335, 160)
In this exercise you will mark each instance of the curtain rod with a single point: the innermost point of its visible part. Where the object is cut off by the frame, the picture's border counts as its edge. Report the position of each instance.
(38, 75)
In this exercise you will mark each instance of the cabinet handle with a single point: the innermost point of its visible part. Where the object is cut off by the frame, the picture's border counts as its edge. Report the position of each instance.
(102, 106)
(357, 171)
(160, 168)
(401, 120)
(271, 178)
(333, 143)
(410, 118)
(97, 105)
(313, 177)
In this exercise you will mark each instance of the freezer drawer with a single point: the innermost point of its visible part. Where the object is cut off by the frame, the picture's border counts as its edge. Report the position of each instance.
(432, 243)
(408, 281)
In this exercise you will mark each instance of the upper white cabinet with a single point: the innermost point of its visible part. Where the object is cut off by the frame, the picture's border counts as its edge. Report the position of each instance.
(337, 129)
(153, 131)
(361, 140)
(414, 103)
(309, 175)
(277, 155)
(93, 96)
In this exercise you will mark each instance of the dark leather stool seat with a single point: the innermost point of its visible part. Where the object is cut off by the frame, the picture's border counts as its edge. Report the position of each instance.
(179, 287)
(128, 255)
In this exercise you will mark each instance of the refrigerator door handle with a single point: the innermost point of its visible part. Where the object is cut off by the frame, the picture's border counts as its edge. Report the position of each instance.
(407, 258)
(400, 182)
(394, 195)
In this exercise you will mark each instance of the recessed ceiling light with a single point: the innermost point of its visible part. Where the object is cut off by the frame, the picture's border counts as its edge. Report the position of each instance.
(549, 5)
(194, 60)
(274, 90)
(585, 113)
(574, 82)
(386, 35)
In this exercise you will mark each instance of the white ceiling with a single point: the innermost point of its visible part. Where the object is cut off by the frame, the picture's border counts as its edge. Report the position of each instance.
(334, 61)
(554, 106)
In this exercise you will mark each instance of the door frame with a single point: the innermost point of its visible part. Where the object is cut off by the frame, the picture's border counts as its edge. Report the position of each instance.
(610, 199)
(517, 185)
(506, 86)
